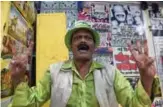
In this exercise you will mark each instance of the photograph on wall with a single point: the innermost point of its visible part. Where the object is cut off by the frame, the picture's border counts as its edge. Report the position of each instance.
(154, 15)
(156, 22)
(17, 25)
(126, 23)
(27, 9)
(124, 61)
(157, 27)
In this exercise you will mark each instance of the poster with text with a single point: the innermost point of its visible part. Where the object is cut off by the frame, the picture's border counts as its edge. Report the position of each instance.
(126, 24)
(124, 61)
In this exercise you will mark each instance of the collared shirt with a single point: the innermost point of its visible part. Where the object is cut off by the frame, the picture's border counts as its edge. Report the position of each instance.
(83, 91)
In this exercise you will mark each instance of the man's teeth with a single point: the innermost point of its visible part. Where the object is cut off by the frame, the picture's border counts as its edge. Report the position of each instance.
(82, 50)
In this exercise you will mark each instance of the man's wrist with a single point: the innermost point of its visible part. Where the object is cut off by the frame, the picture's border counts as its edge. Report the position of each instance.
(147, 84)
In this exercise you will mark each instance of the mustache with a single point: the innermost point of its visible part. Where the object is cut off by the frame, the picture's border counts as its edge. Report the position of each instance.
(83, 46)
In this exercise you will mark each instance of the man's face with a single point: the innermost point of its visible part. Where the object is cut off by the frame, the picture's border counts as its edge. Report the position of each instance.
(119, 13)
(82, 45)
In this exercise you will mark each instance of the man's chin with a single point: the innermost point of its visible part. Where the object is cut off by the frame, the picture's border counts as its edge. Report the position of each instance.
(84, 57)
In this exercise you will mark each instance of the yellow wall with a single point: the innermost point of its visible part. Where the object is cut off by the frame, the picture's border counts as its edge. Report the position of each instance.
(51, 29)
(4, 13)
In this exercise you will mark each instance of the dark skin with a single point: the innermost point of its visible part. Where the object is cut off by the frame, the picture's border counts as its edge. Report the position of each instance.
(82, 59)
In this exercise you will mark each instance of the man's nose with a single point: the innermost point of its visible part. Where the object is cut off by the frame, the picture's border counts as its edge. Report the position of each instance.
(83, 39)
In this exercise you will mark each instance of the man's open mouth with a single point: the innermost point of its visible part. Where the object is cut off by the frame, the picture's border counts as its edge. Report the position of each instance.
(83, 48)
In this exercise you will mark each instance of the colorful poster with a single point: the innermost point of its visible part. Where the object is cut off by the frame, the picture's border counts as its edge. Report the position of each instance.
(17, 25)
(27, 9)
(126, 24)
(124, 61)
(94, 11)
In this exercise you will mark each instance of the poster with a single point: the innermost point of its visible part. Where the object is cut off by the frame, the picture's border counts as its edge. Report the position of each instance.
(17, 25)
(97, 14)
(124, 61)
(126, 24)
(27, 9)
(94, 11)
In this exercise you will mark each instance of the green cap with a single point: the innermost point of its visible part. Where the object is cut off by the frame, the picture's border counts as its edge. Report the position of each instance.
(81, 25)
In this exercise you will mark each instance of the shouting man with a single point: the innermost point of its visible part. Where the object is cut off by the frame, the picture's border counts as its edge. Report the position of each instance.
(82, 82)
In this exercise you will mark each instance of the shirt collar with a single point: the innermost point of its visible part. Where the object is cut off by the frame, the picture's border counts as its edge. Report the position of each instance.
(70, 65)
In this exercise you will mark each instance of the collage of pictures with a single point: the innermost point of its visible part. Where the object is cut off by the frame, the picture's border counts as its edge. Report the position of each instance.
(15, 41)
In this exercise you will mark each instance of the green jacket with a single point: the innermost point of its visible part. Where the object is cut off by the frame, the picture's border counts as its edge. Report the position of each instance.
(89, 92)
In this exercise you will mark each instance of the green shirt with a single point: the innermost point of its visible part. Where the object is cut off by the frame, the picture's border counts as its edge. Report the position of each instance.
(83, 91)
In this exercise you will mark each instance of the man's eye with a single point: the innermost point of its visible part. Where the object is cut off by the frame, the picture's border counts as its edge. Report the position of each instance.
(89, 38)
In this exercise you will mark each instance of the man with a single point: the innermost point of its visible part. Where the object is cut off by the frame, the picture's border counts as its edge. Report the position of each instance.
(81, 82)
